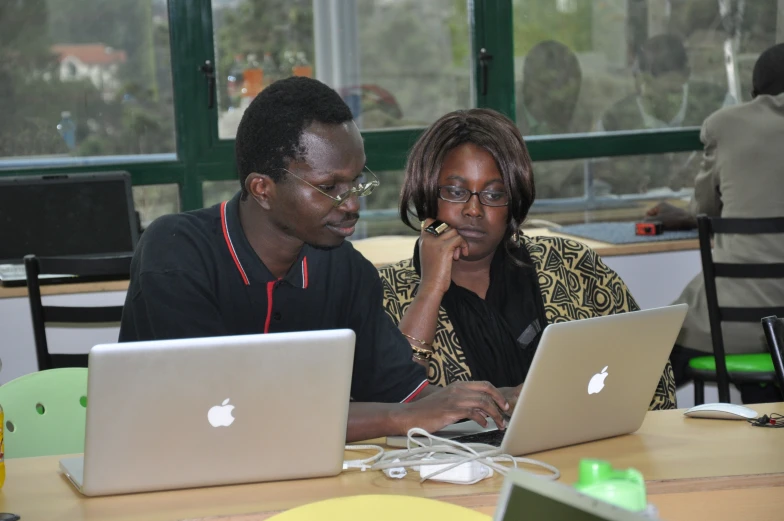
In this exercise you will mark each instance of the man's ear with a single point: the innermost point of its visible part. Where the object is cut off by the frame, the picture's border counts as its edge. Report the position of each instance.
(262, 188)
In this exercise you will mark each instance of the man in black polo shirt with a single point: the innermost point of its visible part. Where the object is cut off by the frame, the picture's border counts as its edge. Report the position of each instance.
(274, 258)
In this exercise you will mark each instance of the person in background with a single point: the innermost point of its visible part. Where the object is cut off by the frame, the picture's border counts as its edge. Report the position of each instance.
(665, 94)
(475, 298)
(274, 259)
(665, 97)
(741, 175)
(547, 104)
(547, 100)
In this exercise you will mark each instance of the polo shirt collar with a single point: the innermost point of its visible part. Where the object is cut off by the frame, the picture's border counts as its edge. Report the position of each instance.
(248, 264)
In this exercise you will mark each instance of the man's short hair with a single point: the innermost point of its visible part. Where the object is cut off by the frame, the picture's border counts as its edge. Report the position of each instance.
(661, 54)
(268, 137)
(768, 75)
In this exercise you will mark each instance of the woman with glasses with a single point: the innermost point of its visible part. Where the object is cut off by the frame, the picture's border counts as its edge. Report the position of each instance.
(476, 294)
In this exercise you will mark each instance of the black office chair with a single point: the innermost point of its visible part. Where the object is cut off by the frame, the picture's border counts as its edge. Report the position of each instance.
(721, 368)
(774, 334)
(85, 268)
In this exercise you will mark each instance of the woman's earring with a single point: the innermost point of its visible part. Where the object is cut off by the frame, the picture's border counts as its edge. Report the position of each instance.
(516, 239)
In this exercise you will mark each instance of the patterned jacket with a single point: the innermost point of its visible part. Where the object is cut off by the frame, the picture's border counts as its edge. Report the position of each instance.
(574, 282)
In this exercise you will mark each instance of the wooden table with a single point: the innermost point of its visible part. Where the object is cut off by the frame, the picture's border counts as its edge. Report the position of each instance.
(734, 470)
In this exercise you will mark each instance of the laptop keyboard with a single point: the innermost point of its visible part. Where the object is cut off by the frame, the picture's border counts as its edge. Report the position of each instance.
(493, 438)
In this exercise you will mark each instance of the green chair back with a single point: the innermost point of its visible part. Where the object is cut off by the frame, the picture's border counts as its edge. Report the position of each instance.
(45, 413)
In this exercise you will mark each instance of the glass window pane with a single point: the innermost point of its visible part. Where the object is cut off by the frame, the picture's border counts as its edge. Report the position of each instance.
(152, 201)
(388, 80)
(612, 189)
(378, 211)
(85, 78)
(584, 65)
(215, 192)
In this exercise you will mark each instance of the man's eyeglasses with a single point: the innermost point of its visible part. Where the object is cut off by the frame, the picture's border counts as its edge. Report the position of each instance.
(456, 194)
(362, 189)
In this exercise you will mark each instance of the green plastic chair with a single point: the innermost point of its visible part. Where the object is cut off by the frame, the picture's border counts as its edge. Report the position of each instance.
(45, 413)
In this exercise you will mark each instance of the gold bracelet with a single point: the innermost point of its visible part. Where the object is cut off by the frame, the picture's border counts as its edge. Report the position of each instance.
(421, 354)
(421, 358)
(417, 340)
(417, 356)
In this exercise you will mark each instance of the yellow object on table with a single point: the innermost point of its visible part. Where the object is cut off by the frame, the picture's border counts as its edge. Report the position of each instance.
(380, 508)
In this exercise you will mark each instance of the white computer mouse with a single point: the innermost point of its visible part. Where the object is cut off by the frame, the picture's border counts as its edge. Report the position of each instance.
(721, 411)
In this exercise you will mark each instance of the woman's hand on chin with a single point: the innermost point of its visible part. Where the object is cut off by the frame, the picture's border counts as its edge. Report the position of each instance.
(436, 255)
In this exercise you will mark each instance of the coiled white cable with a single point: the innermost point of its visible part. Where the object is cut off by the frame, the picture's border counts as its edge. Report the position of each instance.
(421, 454)
(363, 464)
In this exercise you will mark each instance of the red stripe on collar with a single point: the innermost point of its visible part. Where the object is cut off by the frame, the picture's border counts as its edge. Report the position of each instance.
(413, 394)
(230, 245)
(304, 272)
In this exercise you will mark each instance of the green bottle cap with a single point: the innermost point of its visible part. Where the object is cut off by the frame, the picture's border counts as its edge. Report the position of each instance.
(622, 488)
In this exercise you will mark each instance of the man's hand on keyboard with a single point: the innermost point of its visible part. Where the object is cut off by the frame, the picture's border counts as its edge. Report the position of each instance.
(441, 407)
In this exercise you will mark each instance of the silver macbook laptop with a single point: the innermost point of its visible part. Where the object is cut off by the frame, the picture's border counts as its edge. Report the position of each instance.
(589, 379)
(214, 411)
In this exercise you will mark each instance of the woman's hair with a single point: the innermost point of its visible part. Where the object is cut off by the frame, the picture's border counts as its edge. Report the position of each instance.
(484, 128)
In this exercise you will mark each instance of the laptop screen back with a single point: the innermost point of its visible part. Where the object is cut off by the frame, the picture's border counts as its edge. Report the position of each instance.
(528, 497)
(77, 214)
(525, 504)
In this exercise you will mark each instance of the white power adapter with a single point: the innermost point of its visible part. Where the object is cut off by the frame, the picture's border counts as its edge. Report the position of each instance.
(466, 473)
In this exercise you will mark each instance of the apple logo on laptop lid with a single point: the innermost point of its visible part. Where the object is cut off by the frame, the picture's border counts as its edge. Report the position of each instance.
(220, 415)
(597, 381)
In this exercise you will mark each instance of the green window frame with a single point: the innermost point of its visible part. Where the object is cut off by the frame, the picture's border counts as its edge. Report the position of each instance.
(201, 156)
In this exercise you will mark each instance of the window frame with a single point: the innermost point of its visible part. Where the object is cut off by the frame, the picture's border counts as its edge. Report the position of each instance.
(200, 156)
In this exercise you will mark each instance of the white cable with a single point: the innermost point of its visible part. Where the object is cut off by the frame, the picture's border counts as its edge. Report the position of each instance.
(444, 453)
(363, 464)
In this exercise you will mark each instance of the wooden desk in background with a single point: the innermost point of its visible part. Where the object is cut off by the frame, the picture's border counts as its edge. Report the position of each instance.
(66, 289)
(382, 251)
(695, 469)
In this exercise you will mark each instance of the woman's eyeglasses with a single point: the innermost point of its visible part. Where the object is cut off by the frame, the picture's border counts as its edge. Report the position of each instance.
(361, 189)
(456, 194)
